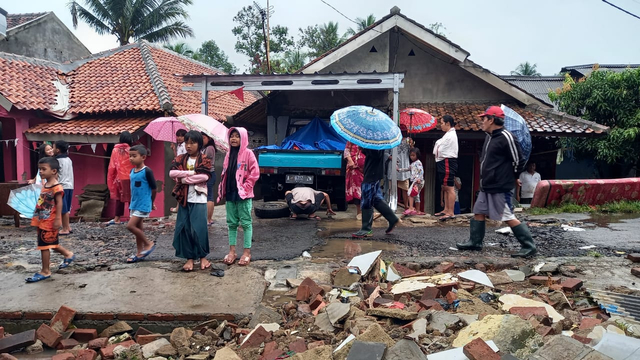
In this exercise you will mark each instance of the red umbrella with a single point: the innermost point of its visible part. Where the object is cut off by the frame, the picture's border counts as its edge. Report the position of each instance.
(416, 120)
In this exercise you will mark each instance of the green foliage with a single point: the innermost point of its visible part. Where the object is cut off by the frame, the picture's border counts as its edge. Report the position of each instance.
(292, 61)
(620, 207)
(210, 54)
(607, 98)
(320, 38)
(362, 24)
(151, 20)
(526, 69)
(437, 28)
(250, 38)
(593, 253)
(181, 48)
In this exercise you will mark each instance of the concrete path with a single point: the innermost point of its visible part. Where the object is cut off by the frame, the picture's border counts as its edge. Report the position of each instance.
(137, 290)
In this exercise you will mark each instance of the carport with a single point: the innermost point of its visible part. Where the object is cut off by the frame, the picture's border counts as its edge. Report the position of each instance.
(303, 82)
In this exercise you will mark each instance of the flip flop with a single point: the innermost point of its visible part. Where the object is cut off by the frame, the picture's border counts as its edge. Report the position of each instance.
(439, 214)
(111, 222)
(315, 217)
(67, 262)
(229, 260)
(444, 218)
(246, 259)
(133, 259)
(293, 217)
(36, 277)
(217, 272)
(406, 212)
(145, 253)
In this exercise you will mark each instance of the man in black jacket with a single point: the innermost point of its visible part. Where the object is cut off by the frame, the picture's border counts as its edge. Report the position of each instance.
(501, 160)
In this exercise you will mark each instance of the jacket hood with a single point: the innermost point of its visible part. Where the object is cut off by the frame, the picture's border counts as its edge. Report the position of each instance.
(244, 137)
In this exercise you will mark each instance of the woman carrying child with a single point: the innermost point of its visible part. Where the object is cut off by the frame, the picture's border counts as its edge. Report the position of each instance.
(191, 171)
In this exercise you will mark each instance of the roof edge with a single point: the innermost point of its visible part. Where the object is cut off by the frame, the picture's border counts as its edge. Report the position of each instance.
(30, 22)
(562, 116)
(159, 87)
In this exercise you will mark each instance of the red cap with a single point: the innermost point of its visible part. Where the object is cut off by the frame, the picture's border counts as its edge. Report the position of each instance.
(493, 111)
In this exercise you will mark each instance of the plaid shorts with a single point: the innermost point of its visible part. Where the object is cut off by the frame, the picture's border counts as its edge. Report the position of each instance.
(371, 195)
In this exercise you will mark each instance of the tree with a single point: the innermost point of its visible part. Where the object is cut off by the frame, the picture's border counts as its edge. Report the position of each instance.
(611, 99)
(250, 38)
(210, 54)
(151, 20)
(526, 69)
(437, 28)
(320, 38)
(362, 24)
(181, 48)
(293, 60)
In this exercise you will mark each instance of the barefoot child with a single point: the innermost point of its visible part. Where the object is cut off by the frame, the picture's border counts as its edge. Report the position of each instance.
(191, 172)
(65, 177)
(48, 218)
(417, 181)
(143, 194)
(239, 174)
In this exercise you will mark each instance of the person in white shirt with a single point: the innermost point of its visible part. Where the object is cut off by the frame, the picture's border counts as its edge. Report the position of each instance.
(446, 153)
(527, 183)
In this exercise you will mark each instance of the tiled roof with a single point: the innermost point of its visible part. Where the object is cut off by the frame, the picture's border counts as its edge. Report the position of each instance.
(112, 83)
(14, 20)
(92, 126)
(541, 121)
(538, 86)
(28, 83)
(221, 105)
(587, 69)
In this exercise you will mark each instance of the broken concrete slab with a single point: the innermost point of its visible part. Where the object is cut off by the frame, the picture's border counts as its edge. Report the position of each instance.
(337, 311)
(118, 328)
(317, 353)
(510, 333)
(405, 350)
(419, 327)
(344, 278)
(226, 354)
(511, 300)
(17, 341)
(323, 323)
(150, 349)
(361, 350)
(563, 347)
(440, 320)
(265, 315)
(515, 275)
(393, 313)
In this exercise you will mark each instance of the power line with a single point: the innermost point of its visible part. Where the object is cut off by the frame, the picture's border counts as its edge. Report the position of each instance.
(621, 9)
(345, 16)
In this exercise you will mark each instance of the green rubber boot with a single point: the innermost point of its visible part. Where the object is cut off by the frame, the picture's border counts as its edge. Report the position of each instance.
(523, 235)
(476, 235)
(367, 223)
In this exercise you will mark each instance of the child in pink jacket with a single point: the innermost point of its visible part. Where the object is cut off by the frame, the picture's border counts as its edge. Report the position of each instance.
(239, 174)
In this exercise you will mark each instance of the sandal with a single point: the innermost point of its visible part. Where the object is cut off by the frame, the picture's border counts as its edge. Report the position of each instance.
(331, 212)
(446, 217)
(229, 260)
(36, 277)
(145, 253)
(439, 214)
(133, 259)
(244, 261)
(217, 272)
(315, 217)
(67, 262)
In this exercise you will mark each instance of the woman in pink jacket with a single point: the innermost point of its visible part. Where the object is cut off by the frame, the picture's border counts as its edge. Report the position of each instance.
(239, 174)
(118, 175)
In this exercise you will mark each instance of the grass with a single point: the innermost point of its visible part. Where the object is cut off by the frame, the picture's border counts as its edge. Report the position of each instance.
(625, 207)
(594, 254)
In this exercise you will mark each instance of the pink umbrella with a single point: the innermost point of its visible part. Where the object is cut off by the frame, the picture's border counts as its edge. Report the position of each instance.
(164, 128)
(208, 125)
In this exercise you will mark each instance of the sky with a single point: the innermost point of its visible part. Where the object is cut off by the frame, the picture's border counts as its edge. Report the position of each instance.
(499, 34)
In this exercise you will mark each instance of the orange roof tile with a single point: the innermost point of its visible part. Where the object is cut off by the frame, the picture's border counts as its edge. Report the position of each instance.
(220, 105)
(93, 126)
(14, 20)
(28, 83)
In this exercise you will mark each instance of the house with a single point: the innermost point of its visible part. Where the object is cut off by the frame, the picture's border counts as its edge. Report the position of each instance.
(538, 86)
(580, 71)
(42, 36)
(440, 78)
(89, 102)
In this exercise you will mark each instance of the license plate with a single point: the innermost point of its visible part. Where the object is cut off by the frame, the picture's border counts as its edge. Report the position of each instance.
(299, 179)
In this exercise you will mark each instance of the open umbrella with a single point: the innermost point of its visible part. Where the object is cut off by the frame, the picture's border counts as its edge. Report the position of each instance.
(208, 125)
(517, 125)
(366, 127)
(24, 199)
(416, 120)
(164, 128)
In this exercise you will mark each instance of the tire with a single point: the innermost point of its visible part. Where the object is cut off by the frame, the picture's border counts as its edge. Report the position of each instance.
(271, 209)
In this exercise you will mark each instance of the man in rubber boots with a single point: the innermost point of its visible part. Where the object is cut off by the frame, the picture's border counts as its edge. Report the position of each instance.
(372, 195)
(501, 160)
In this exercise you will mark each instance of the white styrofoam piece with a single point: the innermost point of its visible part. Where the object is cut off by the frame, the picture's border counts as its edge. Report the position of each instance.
(364, 262)
(476, 276)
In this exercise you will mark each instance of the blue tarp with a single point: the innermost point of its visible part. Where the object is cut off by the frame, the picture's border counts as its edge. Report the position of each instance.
(316, 135)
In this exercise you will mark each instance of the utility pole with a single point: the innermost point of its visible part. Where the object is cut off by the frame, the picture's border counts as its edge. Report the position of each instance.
(268, 10)
(265, 31)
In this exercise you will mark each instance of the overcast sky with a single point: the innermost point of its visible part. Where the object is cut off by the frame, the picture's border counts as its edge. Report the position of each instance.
(499, 34)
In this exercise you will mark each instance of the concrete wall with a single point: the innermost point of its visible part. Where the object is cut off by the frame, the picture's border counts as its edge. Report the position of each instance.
(46, 38)
(362, 59)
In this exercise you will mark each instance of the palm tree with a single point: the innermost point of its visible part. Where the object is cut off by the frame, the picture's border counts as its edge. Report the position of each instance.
(181, 48)
(151, 20)
(362, 24)
(526, 69)
(293, 60)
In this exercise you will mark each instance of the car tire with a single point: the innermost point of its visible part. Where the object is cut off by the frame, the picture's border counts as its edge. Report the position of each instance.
(271, 209)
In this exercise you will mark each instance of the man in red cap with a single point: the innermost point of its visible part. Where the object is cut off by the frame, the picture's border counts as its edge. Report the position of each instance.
(501, 160)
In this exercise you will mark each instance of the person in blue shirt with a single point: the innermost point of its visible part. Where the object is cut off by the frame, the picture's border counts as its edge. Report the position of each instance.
(143, 195)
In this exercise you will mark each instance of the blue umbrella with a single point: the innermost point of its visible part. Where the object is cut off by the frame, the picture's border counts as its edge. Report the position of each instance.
(518, 127)
(366, 127)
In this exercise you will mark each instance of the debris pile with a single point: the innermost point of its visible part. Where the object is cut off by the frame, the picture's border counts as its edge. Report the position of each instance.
(379, 310)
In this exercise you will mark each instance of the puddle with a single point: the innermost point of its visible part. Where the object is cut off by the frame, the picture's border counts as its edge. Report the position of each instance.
(347, 249)
(327, 229)
(277, 298)
(605, 220)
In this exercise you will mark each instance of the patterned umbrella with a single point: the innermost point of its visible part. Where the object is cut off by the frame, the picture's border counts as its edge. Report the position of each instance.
(24, 199)
(517, 125)
(164, 128)
(366, 127)
(416, 120)
(208, 125)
